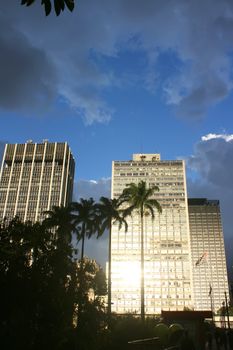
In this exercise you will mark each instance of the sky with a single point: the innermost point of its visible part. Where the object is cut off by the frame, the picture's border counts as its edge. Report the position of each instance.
(119, 77)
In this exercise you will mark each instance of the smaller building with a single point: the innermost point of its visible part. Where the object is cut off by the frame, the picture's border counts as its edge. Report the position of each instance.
(210, 280)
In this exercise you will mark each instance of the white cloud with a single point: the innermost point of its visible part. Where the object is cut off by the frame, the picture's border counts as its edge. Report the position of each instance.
(92, 188)
(210, 136)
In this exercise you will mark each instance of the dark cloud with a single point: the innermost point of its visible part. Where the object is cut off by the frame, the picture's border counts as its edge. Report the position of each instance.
(212, 161)
(200, 98)
(27, 77)
(57, 56)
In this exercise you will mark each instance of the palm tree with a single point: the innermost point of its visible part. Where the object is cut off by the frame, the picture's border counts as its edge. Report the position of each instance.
(140, 198)
(110, 213)
(87, 224)
(86, 221)
(62, 219)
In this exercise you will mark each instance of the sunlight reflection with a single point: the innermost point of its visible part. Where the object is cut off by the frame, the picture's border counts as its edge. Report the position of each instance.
(129, 272)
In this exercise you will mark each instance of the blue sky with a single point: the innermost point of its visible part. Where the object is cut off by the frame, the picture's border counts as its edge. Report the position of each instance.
(120, 77)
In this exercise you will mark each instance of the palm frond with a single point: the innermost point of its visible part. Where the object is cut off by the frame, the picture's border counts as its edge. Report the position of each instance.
(154, 203)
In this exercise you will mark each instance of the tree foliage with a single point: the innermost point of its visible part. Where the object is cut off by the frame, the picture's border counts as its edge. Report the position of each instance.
(59, 5)
(62, 219)
(37, 287)
(91, 320)
(39, 290)
(139, 197)
(48, 299)
(86, 221)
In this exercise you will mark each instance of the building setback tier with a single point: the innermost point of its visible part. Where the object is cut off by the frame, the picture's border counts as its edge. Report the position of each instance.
(210, 280)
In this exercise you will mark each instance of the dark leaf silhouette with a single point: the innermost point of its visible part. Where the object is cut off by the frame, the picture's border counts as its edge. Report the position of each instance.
(59, 5)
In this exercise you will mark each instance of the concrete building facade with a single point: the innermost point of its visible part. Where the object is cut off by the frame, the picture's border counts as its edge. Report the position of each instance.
(34, 177)
(168, 270)
(210, 280)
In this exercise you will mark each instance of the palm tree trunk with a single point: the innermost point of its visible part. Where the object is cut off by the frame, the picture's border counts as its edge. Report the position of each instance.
(109, 272)
(81, 277)
(82, 250)
(81, 260)
(142, 269)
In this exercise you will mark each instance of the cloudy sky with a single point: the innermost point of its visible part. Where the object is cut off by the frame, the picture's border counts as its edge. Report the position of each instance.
(120, 77)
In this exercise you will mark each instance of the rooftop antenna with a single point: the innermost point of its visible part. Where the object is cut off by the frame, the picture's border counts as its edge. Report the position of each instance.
(141, 147)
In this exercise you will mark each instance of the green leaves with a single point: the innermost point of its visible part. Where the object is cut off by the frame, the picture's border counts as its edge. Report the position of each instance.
(138, 196)
(86, 218)
(59, 5)
(110, 212)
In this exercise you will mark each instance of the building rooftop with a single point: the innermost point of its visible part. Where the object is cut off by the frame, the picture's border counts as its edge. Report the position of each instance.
(202, 201)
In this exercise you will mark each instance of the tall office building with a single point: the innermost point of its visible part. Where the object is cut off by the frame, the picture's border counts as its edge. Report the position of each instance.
(168, 275)
(208, 254)
(34, 177)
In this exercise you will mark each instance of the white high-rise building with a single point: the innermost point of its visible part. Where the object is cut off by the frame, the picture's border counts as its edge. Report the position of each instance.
(168, 275)
(210, 280)
(34, 177)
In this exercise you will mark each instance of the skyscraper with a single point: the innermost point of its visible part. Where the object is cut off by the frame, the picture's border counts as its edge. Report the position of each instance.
(168, 276)
(210, 280)
(34, 177)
